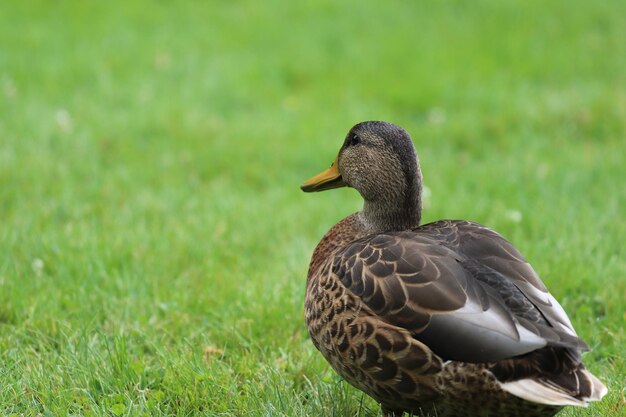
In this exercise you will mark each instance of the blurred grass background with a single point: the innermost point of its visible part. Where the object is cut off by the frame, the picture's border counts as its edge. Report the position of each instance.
(153, 236)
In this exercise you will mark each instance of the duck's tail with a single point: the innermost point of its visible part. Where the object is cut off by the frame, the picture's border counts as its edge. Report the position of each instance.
(577, 387)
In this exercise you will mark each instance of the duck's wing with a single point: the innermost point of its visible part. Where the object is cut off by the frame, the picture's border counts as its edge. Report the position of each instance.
(458, 287)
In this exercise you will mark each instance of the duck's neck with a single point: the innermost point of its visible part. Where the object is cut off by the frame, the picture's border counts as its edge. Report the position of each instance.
(401, 210)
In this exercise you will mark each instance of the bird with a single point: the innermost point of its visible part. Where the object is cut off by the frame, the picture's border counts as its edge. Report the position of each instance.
(445, 318)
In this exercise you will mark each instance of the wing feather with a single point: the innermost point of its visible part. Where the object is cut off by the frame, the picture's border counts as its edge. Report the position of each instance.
(458, 287)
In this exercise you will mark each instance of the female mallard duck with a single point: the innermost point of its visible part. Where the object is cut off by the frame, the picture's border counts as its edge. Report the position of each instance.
(445, 318)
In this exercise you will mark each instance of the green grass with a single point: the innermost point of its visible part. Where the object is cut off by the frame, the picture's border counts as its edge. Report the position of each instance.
(154, 242)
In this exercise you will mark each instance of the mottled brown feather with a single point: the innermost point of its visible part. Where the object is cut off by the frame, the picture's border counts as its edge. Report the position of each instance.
(367, 320)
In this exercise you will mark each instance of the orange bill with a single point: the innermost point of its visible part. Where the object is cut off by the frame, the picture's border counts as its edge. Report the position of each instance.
(331, 178)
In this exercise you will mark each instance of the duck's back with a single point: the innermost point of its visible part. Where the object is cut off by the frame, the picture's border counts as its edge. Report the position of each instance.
(388, 309)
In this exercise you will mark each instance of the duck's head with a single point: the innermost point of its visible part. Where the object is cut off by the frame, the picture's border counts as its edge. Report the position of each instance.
(378, 159)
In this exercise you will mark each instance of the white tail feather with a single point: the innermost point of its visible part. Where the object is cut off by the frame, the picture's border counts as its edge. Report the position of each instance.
(599, 390)
(537, 392)
(544, 392)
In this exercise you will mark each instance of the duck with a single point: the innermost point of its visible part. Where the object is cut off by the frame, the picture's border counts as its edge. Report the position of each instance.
(445, 318)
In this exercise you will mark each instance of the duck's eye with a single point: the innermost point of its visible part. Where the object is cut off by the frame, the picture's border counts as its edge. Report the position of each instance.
(355, 140)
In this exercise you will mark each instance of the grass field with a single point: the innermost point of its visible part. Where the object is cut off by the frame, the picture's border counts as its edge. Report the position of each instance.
(154, 242)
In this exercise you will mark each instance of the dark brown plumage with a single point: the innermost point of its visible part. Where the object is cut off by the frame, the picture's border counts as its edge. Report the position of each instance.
(446, 318)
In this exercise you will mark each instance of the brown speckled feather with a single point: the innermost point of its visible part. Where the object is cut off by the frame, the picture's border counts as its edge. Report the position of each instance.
(370, 300)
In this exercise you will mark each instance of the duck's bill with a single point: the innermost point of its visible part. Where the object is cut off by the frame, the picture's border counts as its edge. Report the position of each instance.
(329, 179)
